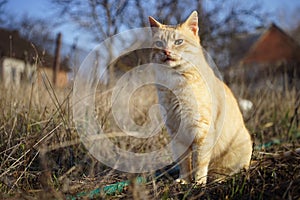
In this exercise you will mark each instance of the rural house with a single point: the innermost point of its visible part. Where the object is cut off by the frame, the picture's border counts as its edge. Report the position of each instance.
(23, 62)
(13, 71)
(267, 59)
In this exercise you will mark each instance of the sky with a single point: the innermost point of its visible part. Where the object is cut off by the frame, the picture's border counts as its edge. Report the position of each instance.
(40, 8)
(282, 12)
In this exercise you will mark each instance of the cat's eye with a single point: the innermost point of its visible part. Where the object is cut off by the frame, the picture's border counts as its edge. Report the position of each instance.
(178, 42)
(159, 43)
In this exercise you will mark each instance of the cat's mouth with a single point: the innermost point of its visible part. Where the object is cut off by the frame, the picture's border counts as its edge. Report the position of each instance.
(169, 59)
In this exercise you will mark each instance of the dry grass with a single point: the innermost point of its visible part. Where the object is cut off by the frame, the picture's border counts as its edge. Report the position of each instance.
(42, 157)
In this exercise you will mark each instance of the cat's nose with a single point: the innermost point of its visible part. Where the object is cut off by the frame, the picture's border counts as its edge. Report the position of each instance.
(167, 52)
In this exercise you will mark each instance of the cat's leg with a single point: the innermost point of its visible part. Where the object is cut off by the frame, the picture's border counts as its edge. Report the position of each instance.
(201, 155)
(184, 162)
(185, 167)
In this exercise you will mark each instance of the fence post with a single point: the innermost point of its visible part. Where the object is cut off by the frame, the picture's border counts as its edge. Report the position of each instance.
(56, 62)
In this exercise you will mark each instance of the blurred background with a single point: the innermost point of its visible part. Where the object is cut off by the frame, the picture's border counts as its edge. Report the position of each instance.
(254, 43)
(228, 29)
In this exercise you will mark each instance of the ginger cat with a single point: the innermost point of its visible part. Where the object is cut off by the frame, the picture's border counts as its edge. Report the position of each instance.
(201, 112)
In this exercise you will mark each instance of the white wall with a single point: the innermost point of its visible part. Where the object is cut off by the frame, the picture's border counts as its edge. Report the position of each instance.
(13, 70)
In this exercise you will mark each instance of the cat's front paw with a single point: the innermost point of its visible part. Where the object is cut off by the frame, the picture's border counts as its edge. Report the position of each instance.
(201, 181)
(182, 181)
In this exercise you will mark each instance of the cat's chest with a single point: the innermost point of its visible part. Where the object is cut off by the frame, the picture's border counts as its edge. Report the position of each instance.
(180, 100)
(178, 93)
(179, 108)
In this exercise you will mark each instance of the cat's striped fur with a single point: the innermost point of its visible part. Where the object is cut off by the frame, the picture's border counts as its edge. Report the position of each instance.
(199, 105)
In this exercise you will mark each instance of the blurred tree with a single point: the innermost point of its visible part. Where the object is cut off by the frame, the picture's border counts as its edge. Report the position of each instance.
(219, 20)
(39, 31)
(295, 29)
(36, 30)
(2, 11)
(296, 33)
(101, 18)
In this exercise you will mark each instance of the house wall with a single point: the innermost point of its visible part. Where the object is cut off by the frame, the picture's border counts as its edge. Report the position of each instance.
(13, 71)
(45, 74)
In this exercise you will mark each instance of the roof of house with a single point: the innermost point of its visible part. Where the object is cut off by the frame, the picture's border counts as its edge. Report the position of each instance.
(272, 46)
(242, 44)
(12, 44)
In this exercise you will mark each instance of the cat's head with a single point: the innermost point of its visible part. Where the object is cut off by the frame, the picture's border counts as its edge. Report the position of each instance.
(172, 45)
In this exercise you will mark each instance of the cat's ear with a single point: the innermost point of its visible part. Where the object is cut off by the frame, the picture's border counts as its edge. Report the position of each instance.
(192, 23)
(154, 23)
